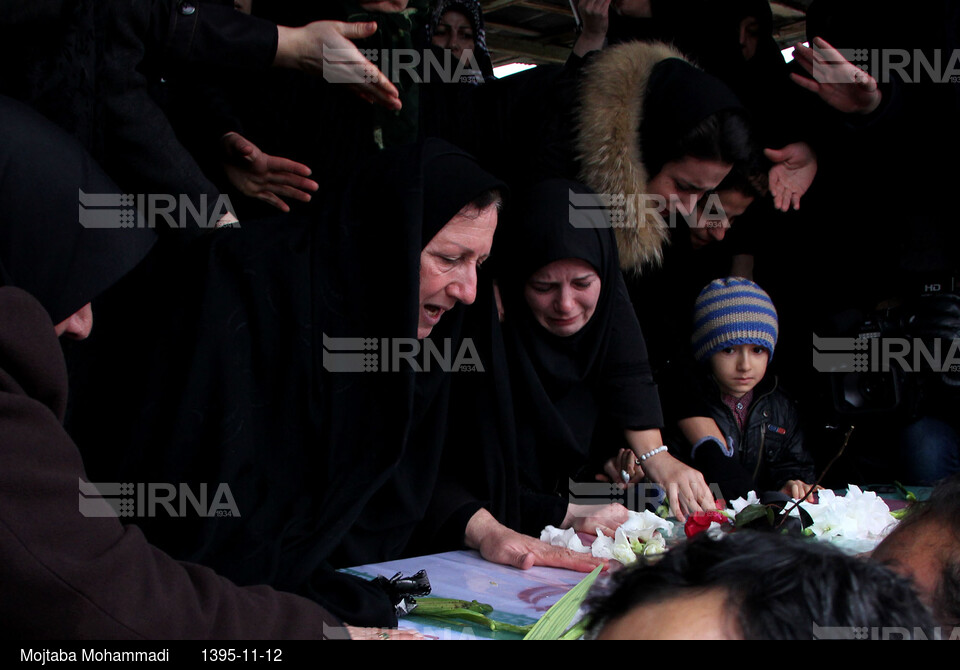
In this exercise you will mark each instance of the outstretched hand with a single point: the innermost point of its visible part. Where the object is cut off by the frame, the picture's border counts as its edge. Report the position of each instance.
(324, 48)
(499, 544)
(795, 167)
(837, 81)
(265, 177)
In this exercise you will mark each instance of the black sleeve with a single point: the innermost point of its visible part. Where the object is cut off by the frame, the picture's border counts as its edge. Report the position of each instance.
(628, 393)
(69, 569)
(142, 40)
(189, 33)
(539, 510)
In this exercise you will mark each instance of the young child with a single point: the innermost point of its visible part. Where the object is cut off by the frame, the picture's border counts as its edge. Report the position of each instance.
(734, 335)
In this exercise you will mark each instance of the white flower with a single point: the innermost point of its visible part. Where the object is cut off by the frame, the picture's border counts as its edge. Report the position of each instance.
(622, 551)
(642, 533)
(655, 545)
(563, 538)
(859, 515)
(740, 503)
(603, 546)
(714, 530)
(645, 521)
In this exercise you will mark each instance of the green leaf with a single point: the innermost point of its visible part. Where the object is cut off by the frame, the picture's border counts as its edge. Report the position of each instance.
(750, 513)
(908, 495)
(576, 631)
(437, 606)
(555, 620)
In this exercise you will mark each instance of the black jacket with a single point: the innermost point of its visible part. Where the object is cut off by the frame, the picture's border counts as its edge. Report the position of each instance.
(770, 448)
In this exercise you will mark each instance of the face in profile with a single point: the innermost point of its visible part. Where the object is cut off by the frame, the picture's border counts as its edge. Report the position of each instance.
(681, 183)
(563, 295)
(749, 37)
(449, 262)
(739, 368)
(454, 32)
(78, 325)
(714, 218)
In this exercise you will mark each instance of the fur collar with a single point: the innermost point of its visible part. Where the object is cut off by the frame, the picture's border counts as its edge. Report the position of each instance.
(608, 146)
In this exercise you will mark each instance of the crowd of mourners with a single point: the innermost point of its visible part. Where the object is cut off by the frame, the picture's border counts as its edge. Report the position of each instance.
(365, 312)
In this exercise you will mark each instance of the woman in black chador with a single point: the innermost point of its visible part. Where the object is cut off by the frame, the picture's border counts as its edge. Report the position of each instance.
(579, 379)
(276, 375)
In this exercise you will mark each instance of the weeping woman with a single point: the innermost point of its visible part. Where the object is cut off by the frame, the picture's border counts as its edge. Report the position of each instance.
(580, 385)
(276, 373)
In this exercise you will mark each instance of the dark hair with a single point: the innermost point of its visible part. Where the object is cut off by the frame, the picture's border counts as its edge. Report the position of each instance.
(749, 176)
(724, 136)
(940, 511)
(779, 588)
(487, 198)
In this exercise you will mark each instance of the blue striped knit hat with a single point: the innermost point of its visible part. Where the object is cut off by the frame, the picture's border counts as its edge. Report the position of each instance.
(732, 311)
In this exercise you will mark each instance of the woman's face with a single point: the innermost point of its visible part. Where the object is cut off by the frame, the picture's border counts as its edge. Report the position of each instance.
(681, 183)
(749, 37)
(713, 227)
(78, 325)
(454, 32)
(563, 295)
(449, 262)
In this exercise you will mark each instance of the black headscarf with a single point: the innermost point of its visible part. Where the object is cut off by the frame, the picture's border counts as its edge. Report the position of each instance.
(678, 98)
(762, 83)
(60, 216)
(566, 387)
(250, 390)
(474, 13)
(451, 179)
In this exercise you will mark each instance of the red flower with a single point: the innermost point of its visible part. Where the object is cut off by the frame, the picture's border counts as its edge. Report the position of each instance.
(697, 522)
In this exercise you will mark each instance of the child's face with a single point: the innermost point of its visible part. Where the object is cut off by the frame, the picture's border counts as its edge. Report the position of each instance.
(739, 368)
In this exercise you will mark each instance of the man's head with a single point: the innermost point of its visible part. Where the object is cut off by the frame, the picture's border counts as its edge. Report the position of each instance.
(925, 547)
(754, 586)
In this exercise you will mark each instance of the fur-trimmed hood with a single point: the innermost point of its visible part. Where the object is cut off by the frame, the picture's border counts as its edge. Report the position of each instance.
(612, 92)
